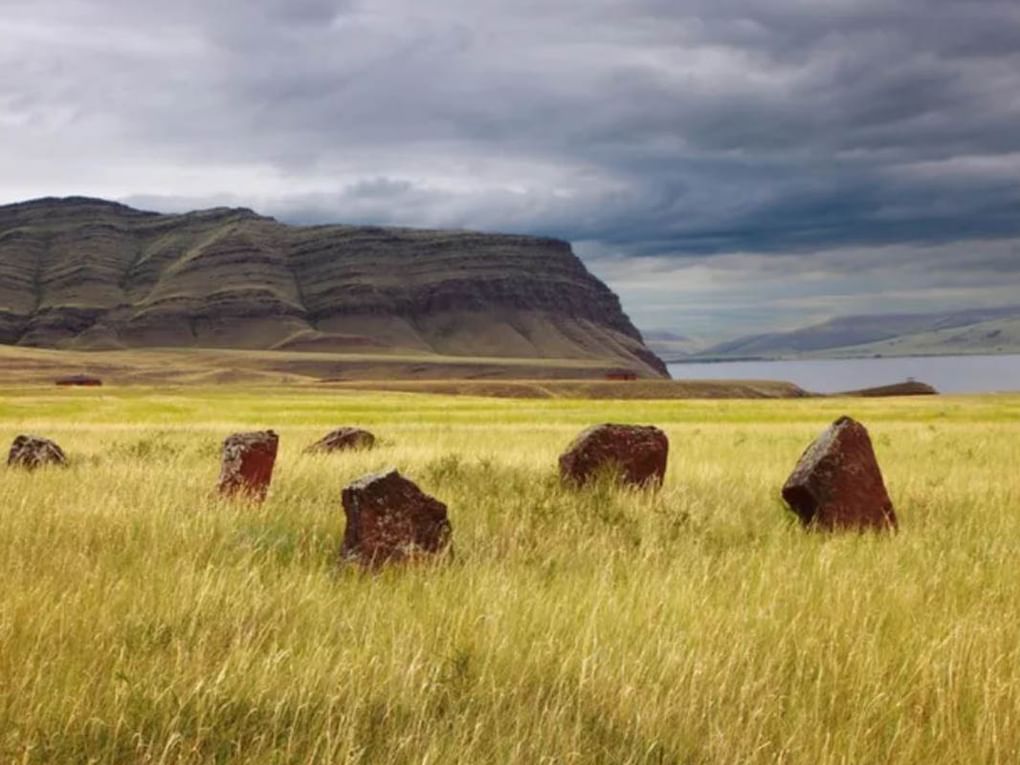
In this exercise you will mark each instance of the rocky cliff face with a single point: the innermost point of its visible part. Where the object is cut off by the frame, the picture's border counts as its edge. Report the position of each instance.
(86, 273)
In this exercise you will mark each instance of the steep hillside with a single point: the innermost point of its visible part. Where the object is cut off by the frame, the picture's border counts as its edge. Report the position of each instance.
(991, 330)
(90, 274)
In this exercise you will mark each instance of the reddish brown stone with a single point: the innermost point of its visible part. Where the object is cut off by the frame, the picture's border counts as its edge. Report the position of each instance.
(637, 453)
(248, 460)
(341, 439)
(389, 520)
(31, 452)
(838, 484)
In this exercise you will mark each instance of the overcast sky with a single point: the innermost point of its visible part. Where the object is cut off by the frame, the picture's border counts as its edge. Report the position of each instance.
(725, 165)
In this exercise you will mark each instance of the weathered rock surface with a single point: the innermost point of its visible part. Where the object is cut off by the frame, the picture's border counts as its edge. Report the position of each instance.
(637, 452)
(838, 484)
(86, 273)
(31, 452)
(342, 439)
(248, 461)
(389, 520)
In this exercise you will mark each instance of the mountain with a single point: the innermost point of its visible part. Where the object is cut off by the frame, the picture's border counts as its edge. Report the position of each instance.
(91, 274)
(671, 345)
(983, 330)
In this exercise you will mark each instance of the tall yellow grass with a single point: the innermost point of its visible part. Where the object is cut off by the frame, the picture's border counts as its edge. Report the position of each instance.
(144, 620)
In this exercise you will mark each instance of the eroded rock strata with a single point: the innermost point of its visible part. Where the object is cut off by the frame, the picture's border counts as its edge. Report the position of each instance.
(86, 273)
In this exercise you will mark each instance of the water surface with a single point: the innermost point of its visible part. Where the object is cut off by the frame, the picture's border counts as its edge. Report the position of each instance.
(949, 374)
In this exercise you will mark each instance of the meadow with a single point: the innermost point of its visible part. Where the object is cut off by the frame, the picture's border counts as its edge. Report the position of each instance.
(142, 619)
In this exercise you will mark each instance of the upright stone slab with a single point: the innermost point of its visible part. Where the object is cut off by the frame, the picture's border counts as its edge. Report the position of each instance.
(342, 439)
(248, 460)
(390, 520)
(637, 453)
(30, 452)
(838, 484)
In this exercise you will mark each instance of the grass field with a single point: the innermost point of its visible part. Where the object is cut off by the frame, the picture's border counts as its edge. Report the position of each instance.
(143, 620)
(206, 366)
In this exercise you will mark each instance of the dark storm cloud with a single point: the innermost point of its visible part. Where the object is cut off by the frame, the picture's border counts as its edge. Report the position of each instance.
(678, 130)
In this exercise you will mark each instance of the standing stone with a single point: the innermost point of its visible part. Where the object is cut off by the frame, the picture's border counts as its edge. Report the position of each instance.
(31, 452)
(838, 484)
(389, 520)
(341, 439)
(248, 460)
(637, 453)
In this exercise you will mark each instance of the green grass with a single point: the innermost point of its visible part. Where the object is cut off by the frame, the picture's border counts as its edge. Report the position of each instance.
(144, 620)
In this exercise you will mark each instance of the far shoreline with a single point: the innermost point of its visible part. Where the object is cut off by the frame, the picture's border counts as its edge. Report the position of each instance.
(873, 357)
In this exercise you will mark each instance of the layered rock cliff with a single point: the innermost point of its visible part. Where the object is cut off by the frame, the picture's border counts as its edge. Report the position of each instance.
(86, 273)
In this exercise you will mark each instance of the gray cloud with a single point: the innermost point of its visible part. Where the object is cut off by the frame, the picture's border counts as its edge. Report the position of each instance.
(688, 133)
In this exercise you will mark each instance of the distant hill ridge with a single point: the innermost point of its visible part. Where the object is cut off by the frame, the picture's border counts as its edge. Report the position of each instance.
(979, 330)
(93, 274)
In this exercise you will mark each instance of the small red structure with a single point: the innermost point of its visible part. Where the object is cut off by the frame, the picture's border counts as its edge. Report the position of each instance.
(621, 374)
(80, 380)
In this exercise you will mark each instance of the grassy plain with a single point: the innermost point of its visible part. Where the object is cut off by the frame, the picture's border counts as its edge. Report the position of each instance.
(206, 366)
(143, 620)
